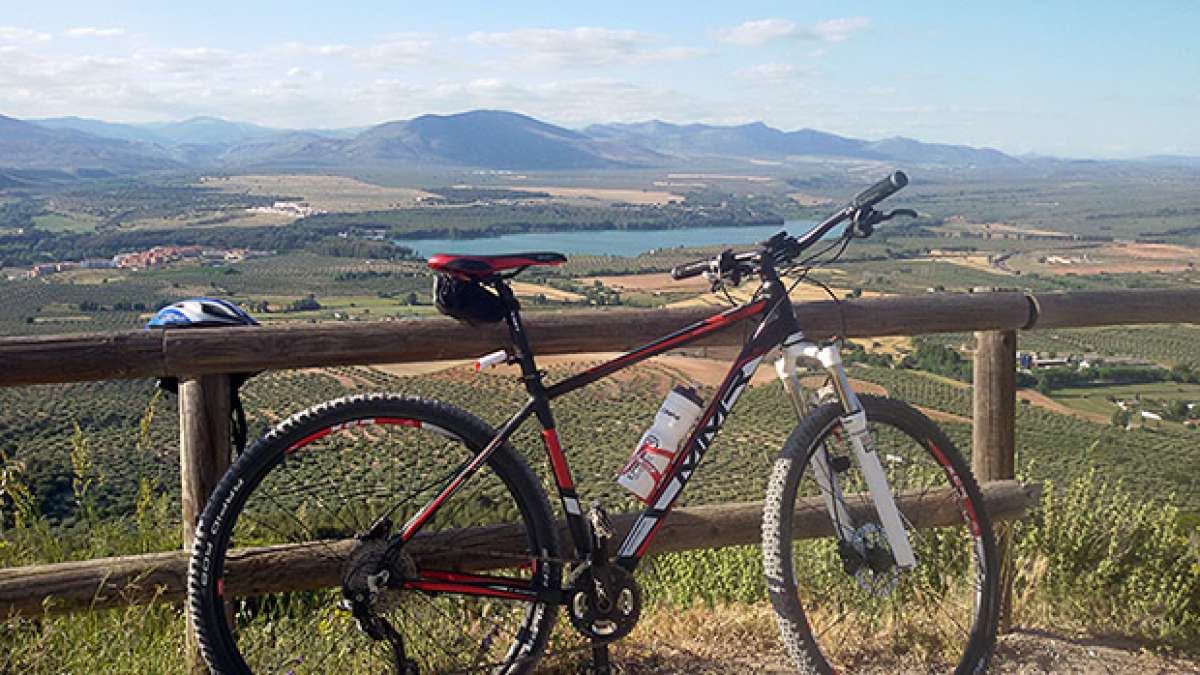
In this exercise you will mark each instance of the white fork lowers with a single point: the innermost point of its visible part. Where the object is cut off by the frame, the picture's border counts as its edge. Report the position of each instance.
(854, 423)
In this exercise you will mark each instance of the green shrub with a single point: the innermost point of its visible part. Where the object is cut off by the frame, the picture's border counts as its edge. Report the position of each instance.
(1094, 554)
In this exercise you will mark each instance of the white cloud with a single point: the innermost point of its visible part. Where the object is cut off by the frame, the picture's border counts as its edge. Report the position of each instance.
(583, 46)
(21, 35)
(93, 32)
(773, 72)
(396, 50)
(839, 30)
(762, 31)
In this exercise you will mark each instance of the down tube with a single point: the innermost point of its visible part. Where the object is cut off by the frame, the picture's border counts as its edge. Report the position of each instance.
(685, 463)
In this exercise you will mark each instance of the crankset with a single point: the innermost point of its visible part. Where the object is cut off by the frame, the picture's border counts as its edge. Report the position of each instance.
(604, 599)
(605, 604)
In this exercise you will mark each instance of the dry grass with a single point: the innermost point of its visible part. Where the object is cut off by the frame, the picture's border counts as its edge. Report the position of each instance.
(606, 195)
(529, 290)
(329, 193)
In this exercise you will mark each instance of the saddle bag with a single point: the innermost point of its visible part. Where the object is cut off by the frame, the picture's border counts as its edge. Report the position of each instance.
(467, 300)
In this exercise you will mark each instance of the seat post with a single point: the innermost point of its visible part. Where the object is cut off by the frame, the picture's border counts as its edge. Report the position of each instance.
(516, 331)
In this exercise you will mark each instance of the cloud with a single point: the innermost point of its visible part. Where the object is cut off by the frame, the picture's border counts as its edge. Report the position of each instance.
(753, 33)
(840, 30)
(583, 46)
(93, 32)
(21, 35)
(773, 72)
(762, 31)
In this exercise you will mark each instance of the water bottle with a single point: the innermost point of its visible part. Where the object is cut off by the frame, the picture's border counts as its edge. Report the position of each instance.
(661, 441)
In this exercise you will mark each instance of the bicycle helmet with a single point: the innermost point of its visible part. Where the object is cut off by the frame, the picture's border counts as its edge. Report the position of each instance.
(200, 313)
(208, 313)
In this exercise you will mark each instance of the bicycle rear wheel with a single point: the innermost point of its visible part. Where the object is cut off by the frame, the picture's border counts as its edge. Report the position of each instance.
(326, 489)
(840, 610)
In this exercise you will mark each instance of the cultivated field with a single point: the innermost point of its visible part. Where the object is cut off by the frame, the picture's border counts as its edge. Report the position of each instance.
(327, 193)
(603, 195)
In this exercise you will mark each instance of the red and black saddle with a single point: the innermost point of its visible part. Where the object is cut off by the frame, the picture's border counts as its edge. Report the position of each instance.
(482, 266)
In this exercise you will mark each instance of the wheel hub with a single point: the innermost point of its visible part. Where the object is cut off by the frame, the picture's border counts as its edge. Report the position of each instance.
(868, 558)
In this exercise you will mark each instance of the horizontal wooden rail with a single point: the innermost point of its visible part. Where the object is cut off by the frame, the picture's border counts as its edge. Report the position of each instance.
(74, 358)
(101, 356)
(61, 587)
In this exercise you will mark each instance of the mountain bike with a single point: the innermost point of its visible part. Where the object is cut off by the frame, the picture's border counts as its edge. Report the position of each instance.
(407, 535)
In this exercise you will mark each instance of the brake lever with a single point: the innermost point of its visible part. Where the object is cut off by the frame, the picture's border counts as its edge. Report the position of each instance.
(899, 212)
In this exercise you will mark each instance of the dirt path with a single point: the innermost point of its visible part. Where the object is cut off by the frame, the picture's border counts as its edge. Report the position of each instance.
(1041, 400)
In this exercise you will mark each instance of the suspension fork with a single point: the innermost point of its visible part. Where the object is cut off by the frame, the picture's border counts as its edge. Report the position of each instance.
(854, 425)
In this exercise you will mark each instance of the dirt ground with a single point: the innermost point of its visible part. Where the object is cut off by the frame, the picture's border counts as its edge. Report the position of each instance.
(744, 639)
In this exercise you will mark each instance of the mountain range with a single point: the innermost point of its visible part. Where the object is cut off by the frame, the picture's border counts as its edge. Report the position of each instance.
(492, 139)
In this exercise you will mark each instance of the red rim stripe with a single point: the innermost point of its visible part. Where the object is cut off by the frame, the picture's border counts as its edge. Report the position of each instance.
(354, 424)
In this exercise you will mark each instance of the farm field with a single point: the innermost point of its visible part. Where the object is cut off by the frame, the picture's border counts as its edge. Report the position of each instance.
(1096, 399)
(1124, 258)
(604, 195)
(324, 192)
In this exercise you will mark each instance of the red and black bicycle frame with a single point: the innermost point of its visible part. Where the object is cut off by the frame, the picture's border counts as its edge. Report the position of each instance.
(771, 307)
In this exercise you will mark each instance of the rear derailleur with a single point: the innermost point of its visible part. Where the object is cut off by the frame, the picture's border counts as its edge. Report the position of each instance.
(372, 577)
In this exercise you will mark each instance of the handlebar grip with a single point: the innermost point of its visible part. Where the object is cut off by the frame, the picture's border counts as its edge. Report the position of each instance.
(691, 269)
(880, 191)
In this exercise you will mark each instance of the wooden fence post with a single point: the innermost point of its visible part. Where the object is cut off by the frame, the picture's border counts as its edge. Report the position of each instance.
(204, 455)
(994, 436)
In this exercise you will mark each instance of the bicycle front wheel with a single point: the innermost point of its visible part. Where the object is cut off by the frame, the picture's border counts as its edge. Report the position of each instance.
(846, 606)
(294, 568)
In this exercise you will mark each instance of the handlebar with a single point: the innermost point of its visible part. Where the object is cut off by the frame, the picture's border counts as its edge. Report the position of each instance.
(880, 191)
(692, 269)
(784, 248)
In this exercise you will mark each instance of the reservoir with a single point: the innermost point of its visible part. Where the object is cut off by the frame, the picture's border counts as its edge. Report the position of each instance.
(625, 243)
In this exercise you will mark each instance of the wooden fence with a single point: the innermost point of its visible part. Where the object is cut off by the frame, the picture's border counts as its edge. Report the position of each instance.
(203, 358)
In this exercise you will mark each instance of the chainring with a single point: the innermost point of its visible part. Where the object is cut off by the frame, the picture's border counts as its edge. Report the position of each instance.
(603, 611)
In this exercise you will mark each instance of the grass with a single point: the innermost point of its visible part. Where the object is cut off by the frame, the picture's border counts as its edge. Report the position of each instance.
(1095, 399)
(57, 222)
(1094, 557)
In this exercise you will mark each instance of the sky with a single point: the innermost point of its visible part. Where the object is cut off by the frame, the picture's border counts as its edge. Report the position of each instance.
(1074, 79)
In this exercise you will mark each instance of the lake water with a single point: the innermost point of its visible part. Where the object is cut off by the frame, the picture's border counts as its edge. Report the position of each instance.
(626, 243)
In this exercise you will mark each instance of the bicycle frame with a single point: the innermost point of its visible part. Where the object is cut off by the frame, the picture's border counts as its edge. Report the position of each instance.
(776, 326)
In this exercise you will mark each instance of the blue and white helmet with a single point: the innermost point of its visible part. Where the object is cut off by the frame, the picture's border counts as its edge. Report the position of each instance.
(200, 313)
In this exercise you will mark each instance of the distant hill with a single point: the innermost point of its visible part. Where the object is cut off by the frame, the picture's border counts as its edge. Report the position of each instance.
(488, 138)
(24, 145)
(208, 131)
(494, 139)
(755, 140)
(122, 132)
(759, 141)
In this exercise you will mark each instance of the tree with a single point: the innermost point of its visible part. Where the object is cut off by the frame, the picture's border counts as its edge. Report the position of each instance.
(1177, 410)
(1120, 418)
(1043, 386)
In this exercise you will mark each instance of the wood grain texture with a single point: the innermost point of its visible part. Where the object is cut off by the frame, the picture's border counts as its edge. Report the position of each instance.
(1078, 309)
(204, 454)
(994, 434)
(30, 591)
(198, 351)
